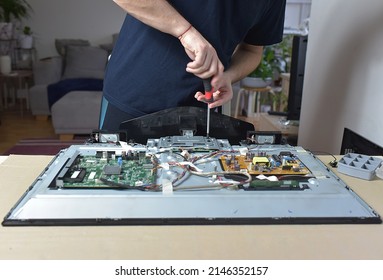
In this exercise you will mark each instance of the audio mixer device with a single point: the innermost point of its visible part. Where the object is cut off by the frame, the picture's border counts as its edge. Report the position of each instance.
(187, 179)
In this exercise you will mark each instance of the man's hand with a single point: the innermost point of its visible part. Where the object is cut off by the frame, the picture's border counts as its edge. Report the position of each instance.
(205, 62)
(222, 95)
(244, 60)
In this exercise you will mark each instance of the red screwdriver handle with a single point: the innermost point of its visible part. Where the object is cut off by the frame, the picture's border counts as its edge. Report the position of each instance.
(208, 90)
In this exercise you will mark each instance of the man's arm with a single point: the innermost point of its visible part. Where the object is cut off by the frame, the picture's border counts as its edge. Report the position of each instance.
(244, 60)
(160, 15)
(156, 13)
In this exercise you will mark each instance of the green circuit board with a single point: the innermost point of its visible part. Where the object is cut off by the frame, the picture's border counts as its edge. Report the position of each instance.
(110, 171)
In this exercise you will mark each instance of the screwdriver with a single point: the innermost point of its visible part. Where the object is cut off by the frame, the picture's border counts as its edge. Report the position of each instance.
(209, 98)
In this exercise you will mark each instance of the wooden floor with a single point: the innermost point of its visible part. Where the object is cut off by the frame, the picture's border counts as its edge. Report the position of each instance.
(15, 126)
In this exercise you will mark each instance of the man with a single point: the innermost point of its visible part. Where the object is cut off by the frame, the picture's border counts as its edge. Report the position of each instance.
(165, 49)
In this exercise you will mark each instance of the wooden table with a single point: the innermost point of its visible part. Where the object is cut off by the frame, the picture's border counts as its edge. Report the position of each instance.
(289, 129)
(277, 242)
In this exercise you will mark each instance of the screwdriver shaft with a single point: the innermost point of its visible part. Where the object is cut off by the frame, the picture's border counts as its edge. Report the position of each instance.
(209, 99)
(208, 121)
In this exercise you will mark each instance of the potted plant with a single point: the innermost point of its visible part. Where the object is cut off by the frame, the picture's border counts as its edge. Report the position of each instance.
(262, 76)
(10, 9)
(275, 61)
(25, 38)
(282, 58)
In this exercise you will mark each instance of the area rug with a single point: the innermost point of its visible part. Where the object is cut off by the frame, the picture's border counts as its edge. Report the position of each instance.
(41, 146)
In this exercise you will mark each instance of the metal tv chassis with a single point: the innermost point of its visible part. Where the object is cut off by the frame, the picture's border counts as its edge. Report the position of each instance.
(185, 190)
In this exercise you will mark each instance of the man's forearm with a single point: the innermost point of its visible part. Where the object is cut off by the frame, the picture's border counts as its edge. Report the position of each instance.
(161, 15)
(245, 59)
(156, 13)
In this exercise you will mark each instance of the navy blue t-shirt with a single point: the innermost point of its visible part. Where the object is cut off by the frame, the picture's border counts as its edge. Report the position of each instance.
(146, 72)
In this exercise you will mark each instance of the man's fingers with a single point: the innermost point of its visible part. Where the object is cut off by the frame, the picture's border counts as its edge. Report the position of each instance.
(219, 99)
(201, 64)
(214, 68)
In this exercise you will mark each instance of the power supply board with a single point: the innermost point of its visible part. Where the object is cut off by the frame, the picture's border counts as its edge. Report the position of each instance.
(256, 164)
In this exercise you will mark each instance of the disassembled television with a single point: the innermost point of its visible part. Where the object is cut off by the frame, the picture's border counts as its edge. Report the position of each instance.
(188, 179)
(233, 176)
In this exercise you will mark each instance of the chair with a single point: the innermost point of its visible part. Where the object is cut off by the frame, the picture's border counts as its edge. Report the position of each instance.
(254, 94)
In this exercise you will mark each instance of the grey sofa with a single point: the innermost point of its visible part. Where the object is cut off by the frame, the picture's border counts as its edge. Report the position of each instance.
(77, 112)
(46, 71)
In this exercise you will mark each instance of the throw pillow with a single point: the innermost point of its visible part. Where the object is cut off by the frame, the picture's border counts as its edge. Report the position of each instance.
(85, 62)
(61, 44)
(47, 70)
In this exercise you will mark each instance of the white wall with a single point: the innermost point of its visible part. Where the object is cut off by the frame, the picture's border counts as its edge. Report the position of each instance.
(344, 74)
(93, 20)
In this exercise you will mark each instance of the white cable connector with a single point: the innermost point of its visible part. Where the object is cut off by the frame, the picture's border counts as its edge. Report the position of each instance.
(167, 187)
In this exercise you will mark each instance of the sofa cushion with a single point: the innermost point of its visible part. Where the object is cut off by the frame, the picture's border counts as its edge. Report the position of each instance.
(57, 90)
(85, 62)
(77, 112)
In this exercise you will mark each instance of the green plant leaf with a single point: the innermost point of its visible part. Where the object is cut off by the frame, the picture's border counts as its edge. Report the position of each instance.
(14, 8)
